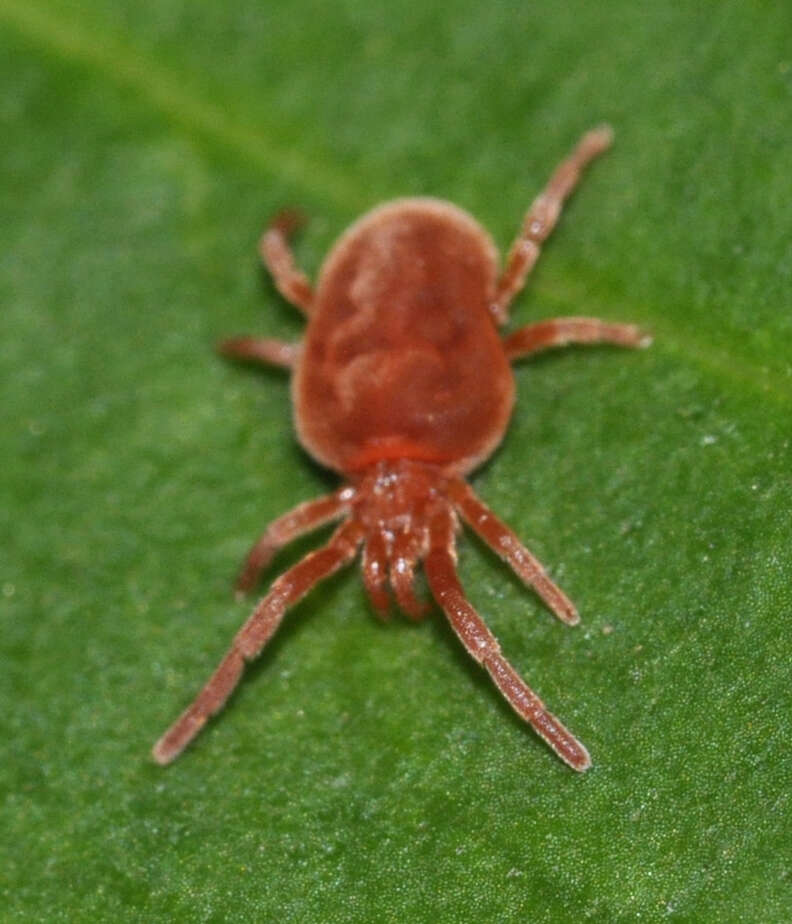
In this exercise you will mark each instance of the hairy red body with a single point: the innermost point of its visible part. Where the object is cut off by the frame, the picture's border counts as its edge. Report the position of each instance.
(403, 385)
(401, 358)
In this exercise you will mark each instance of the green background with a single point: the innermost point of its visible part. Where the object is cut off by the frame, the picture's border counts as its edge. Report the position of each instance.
(366, 772)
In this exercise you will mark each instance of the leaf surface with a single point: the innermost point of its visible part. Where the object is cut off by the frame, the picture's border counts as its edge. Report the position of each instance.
(365, 771)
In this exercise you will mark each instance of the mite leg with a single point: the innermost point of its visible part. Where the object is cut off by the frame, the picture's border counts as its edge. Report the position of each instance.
(558, 332)
(261, 350)
(375, 573)
(407, 549)
(302, 519)
(274, 248)
(444, 582)
(507, 546)
(542, 217)
(254, 635)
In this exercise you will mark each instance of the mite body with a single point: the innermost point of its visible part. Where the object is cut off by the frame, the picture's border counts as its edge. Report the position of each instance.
(399, 360)
(403, 385)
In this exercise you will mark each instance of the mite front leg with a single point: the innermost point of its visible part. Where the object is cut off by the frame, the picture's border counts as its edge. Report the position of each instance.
(558, 332)
(408, 547)
(261, 350)
(291, 282)
(506, 544)
(444, 582)
(254, 635)
(375, 572)
(542, 218)
(302, 519)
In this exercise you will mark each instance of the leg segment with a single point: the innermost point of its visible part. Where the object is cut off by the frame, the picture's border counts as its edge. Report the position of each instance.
(375, 573)
(404, 554)
(274, 248)
(254, 635)
(260, 350)
(542, 218)
(302, 519)
(482, 645)
(507, 546)
(558, 332)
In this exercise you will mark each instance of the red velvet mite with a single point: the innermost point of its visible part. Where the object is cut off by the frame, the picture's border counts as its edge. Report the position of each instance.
(403, 386)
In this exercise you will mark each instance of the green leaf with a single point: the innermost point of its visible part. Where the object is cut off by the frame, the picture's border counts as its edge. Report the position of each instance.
(362, 771)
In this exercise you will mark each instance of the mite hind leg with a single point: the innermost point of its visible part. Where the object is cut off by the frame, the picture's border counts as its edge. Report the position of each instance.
(542, 217)
(293, 285)
(482, 645)
(261, 350)
(559, 332)
(291, 282)
(287, 590)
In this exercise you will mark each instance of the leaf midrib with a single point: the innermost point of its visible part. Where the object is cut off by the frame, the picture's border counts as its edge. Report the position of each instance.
(130, 69)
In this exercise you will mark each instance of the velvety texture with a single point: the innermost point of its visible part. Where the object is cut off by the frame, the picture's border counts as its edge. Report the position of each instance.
(402, 358)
